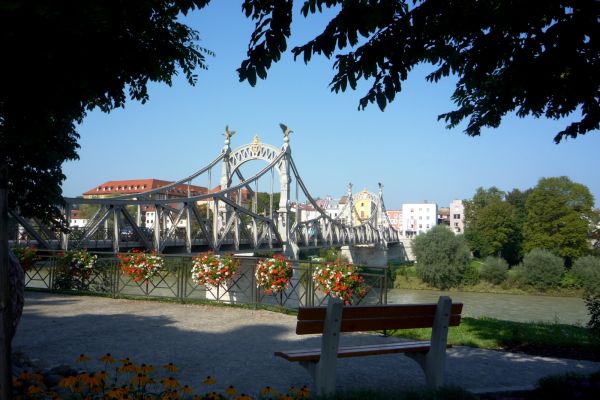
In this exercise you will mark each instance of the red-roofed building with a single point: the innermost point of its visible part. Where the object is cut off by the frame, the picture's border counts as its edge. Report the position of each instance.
(134, 186)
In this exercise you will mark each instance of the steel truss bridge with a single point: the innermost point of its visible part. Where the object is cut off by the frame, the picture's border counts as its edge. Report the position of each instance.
(224, 223)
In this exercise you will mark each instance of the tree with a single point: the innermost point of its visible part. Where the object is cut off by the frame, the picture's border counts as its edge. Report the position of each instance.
(62, 59)
(68, 58)
(442, 257)
(560, 218)
(537, 58)
(492, 227)
(263, 202)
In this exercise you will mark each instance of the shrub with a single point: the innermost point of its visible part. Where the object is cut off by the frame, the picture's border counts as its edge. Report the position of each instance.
(515, 277)
(75, 270)
(341, 280)
(471, 275)
(213, 270)
(27, 256)
(543, 270)
(273, 274)
(141, 266)
(494, 270)
(568, 386)
(592, 302)
(442, 257)
(568, 280)
(586, 271)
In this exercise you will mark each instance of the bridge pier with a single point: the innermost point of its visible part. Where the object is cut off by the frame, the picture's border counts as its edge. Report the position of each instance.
(375, 255)
(369, 255)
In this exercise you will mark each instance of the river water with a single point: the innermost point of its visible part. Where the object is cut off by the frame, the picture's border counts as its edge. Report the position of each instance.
(511, 307)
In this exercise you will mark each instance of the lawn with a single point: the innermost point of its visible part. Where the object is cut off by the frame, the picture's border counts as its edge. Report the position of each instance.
(547, 339)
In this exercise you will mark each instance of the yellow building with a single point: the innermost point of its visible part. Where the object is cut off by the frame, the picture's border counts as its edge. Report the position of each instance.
(362, 206)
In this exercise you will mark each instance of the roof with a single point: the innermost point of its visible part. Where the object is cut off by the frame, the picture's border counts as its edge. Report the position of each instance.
(132, 186)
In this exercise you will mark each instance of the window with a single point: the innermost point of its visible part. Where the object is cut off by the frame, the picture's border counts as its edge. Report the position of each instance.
(456, 224)
(456, 216)
(427, 226)
(420, 217)
(428, 217)
(420, 226)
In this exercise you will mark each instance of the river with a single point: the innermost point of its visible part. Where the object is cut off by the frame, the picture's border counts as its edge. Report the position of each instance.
(511, 307)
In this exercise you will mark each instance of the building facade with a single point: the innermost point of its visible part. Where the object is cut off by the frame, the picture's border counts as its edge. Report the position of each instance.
(395, 217)
(418, 218)
(457, 216)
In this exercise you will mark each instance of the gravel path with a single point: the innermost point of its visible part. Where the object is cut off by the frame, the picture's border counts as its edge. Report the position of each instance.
(236, 346)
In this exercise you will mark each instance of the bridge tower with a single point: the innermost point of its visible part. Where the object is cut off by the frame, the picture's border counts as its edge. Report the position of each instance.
(232, 160)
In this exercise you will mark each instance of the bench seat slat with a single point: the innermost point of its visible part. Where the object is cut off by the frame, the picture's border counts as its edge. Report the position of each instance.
(356, 351)
(304, 327)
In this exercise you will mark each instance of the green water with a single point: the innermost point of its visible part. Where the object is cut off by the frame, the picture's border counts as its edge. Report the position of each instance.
(523, 308)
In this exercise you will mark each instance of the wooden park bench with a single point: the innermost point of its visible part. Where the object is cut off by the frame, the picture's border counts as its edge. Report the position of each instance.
(335, 318)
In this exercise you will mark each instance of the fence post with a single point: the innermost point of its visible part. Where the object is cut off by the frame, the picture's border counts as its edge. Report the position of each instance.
(385, 283)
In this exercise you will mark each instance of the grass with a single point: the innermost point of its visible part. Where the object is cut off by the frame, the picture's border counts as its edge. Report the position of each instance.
(548, 339)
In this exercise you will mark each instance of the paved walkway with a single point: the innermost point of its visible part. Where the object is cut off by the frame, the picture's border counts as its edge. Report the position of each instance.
(236, 346)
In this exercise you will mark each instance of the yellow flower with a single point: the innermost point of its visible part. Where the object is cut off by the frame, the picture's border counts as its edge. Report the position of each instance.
(96, 388)
(231, 391)
(33, 389)
(146, 368)
(82, 358)
(67, 381)
(24, 376)
(117, 394)
(39, 378)
(304, 392)
(100, 377)
(125, 360)
(170, 382)
(140, 380)
(268, 390)
(77, 387)
(170, 396)
(127, 367)
(85, 378)
(243, 397)
(170, 367)
(209, 380)
(108, 359)
(186, 389)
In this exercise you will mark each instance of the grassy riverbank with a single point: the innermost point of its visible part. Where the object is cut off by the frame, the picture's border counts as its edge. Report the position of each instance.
(544, 339)
(405, 277)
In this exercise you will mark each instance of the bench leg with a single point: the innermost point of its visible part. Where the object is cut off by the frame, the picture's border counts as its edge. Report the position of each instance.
(323, 371)
(311, 367)
(434, 361)
(434, 371)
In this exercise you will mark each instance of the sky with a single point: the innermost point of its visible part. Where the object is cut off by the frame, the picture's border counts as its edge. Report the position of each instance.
(405, 148)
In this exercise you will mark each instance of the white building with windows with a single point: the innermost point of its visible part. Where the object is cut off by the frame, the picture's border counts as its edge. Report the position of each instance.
(457, 216)
(331, 206)
(418, 218)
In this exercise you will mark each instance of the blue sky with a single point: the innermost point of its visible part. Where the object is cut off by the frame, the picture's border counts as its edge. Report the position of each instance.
(416, 158)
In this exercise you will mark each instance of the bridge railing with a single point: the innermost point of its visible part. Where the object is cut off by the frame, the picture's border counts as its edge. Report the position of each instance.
(174, 281)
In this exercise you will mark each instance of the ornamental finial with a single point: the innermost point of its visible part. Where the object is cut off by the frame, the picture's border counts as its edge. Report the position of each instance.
(286, 133)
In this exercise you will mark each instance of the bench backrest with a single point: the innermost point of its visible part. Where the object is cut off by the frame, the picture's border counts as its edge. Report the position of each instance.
(374, 318)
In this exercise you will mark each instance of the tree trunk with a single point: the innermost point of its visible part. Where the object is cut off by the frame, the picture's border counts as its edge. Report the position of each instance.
(5, 309)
